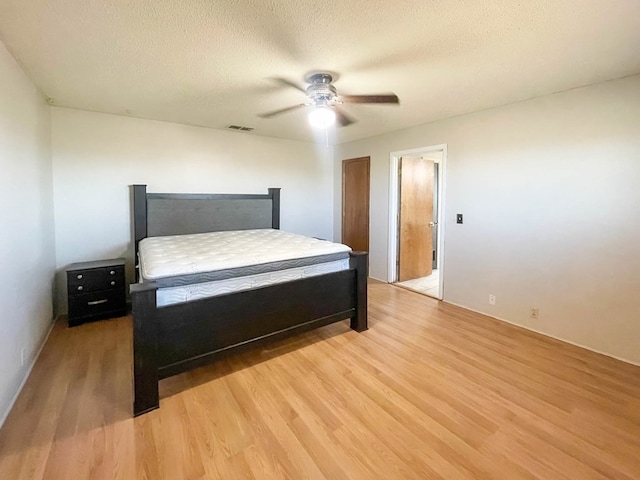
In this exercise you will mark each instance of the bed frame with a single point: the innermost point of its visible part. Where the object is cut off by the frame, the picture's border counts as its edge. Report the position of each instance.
(173, 339)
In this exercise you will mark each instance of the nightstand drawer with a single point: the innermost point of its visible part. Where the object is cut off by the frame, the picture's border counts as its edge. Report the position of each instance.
(95, 304)
(91, 280)
(96, 290)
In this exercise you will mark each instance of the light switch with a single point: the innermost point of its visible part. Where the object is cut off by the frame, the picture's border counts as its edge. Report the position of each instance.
(459, 218)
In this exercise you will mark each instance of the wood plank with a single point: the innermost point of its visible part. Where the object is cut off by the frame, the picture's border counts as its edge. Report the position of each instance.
(429, 391)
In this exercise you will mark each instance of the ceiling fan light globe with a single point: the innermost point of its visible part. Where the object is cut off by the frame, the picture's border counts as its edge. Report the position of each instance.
(322, 117)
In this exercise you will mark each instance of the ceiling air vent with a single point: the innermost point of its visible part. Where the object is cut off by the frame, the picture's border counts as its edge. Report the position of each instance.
(240, 128)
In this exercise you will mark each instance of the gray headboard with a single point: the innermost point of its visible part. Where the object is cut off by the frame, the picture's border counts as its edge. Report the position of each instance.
(156, 214)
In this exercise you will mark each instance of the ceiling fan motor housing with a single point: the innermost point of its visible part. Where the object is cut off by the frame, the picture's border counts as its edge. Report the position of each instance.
(321, 91)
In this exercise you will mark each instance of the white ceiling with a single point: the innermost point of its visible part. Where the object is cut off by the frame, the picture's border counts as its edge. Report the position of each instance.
(208, 62)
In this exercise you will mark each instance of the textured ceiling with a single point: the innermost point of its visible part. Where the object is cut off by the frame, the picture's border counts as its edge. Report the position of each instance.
(208, 62)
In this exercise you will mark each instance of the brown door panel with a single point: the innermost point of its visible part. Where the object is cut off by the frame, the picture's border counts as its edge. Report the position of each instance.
(415, 249)
(355, 203)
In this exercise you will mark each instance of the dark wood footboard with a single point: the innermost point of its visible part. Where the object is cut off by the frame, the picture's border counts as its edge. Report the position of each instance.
(170, 340)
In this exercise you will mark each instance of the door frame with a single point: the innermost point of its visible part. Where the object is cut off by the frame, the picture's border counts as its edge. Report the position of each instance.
(394, 210)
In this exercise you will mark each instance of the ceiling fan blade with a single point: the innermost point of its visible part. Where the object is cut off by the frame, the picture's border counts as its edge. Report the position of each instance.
(384, 98)
(288, 83)
(343, 119)
(282, 110)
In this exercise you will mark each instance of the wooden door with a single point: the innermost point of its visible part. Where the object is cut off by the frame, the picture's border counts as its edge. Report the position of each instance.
(355, 203)
(415, 243)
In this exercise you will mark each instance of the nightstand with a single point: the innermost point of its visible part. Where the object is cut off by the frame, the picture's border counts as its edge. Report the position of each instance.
(96, 290)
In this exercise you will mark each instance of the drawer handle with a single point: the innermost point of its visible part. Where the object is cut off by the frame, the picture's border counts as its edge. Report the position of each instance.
(98, 302)
(112, 272)
(113, 283)
(80, 287)
(79, 277)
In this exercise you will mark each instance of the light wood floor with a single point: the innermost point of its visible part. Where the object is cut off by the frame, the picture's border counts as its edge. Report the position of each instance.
(429, 391)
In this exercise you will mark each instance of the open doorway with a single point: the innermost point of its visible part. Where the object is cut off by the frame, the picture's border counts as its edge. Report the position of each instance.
(415, 231)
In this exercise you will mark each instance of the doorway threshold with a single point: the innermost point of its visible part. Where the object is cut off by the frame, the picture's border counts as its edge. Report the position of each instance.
(429, 285)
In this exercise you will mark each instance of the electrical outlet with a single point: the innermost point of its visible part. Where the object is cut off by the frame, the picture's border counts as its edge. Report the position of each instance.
(23, 356)
(534, 312)
(492, 299)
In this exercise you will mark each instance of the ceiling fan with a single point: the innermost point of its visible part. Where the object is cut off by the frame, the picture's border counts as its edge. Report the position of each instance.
(325, 100)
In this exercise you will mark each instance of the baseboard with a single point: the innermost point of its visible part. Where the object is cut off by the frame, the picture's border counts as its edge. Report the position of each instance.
(564, 340)
(24, 380)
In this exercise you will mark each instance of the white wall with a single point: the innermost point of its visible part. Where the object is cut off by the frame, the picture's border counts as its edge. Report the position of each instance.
(27, 255)
(97, 156)
(550, 192)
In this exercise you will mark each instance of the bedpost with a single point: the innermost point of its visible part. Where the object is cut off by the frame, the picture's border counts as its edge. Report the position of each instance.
(139, 221)
(360, 262)
(275, 204)
(145, 339)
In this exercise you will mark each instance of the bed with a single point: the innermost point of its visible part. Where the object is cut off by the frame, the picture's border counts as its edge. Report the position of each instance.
(188, 315)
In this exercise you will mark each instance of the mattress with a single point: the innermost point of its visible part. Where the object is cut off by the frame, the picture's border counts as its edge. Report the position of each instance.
(189, 267)
(180, 294)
